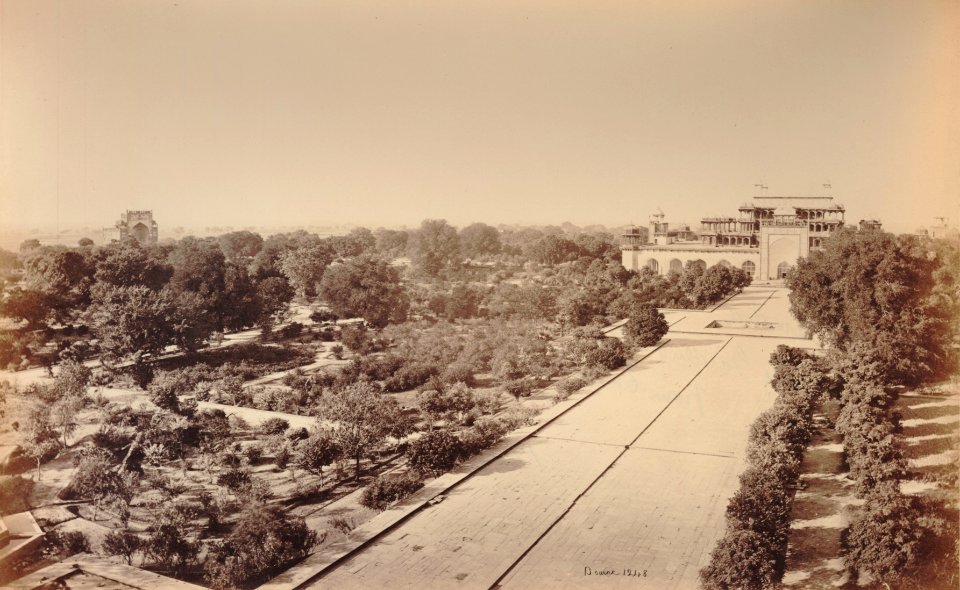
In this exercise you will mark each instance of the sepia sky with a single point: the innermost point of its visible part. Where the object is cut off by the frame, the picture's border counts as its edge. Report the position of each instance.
(252, 113)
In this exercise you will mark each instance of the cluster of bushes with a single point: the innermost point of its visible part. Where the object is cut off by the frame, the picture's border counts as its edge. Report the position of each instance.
(752, 552)
(390, 488)
(886, 537)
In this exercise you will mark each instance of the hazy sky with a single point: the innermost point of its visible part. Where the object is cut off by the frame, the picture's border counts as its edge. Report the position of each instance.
(384, 113)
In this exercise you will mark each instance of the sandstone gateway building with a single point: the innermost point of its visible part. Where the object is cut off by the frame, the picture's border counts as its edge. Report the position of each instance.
(765, 240)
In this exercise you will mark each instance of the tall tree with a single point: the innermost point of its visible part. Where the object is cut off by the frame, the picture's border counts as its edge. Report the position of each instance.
(435, 247)
(367, 287)
(304, 267)
(480, 239)
(895, 297)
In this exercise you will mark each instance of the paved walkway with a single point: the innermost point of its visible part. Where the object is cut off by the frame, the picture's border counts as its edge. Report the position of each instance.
(636, 477)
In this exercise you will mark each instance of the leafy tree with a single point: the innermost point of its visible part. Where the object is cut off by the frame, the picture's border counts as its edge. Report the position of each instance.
(355, 243)
(63, 276)
(15, 494)
(365, 287)
(716, 283)
(169, 546)
(130, 322)
(130, 266)
(363, 419)
(893, 296)
(391, 243)
(463, 303)
(225, 289)
(317, 451)
(454, 401)
(263, 542)
(552, 250)
(480, 239)
(38, 439)
(275, 294)
(435, 246)
(30, 305)
(240, 246)
(304, 267)
(645, 326)
(122, 543)
(96, 479)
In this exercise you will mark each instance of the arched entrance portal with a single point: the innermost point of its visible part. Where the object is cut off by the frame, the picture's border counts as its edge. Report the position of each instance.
(140, 232)
(783, 269)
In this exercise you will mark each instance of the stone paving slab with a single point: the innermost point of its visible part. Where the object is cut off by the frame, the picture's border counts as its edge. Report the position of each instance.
(654, 512)
(617, 414)
(714, 414)
(478, 530)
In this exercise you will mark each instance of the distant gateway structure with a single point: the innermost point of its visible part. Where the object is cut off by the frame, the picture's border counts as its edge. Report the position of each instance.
(765, 240)
(138, 225)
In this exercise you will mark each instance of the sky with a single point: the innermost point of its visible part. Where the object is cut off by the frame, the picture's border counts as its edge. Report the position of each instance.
(383, 113)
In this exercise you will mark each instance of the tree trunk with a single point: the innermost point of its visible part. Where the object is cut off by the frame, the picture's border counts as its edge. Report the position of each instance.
(133, 445)
(356, 474)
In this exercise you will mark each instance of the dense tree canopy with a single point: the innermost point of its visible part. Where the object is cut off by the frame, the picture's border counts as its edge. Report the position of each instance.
(365, 287)
(896, 295)
(435, 246)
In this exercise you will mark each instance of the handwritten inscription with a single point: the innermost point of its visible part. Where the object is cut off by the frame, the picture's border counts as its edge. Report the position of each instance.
(625, 572)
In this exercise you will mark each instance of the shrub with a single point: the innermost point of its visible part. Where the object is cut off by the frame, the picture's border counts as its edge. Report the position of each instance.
(410, 376)
(123, 544)
(387, 489)
(609, 354)
(291, 330)
(274, 426)
(436, 451)
(741, 560)
(15, 494)
(569, 386)
(67, 543)
(253, 454)
(282, 458)
(885, 538)
(645, 326)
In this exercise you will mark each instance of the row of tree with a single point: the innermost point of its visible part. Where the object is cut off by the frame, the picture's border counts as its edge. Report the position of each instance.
(887, 305)
(752, 553)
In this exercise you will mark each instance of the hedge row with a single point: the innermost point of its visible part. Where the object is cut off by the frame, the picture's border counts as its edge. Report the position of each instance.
(752, 552)
(885, 538)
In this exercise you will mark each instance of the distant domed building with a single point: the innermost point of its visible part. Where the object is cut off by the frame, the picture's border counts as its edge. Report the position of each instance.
(138, 225)
(765, 240)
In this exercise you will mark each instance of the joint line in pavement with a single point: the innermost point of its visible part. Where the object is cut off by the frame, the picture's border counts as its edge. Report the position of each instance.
(502, 577)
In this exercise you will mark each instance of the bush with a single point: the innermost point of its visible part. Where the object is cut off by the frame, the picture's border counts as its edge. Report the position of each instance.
(282, 458)
(485, 433)
(436, 451)
(253, 454)
(645, 327)
(387, 489)
(291, 330)
(741, 560)
(274, 426)
(885, 538)
(15, 494)
(410, 376)
(67, 543)
(568, 387)
(609, 354)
